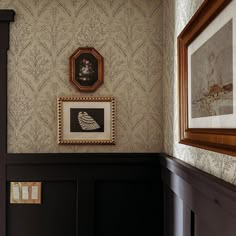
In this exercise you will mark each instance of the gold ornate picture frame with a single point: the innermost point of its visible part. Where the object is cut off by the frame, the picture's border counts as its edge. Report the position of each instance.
(86, 120)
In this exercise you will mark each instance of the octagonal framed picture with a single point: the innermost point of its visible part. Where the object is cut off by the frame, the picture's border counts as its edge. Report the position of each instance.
(86, 69)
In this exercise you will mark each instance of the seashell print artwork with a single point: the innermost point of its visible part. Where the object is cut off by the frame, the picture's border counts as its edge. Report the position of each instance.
(87, 122)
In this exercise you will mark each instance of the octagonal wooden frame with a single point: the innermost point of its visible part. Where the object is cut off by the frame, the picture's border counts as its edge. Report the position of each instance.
(100, 69)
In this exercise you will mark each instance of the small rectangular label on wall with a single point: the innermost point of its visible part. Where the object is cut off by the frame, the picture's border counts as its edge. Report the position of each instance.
(25, 193)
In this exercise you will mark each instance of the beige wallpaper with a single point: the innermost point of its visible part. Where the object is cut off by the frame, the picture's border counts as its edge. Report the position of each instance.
(176, 15)
(128, 33)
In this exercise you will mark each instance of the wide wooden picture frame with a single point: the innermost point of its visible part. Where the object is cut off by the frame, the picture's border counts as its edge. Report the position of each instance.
(207, 74)
(86, 120)
(86, 69)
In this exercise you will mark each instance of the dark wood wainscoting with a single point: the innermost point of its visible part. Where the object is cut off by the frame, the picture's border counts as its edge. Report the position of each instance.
(88, 195)
(196, 203)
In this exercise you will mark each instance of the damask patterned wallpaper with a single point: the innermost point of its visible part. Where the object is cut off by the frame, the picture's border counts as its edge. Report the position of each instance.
(176, 15)
(129, 35)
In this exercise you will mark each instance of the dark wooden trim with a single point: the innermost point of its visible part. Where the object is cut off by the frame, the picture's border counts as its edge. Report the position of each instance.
(195, 202)
(192, 223)
(84, 158)
(219, 192)
(3, 99)
(218, 140)
(193, 175)
(31, 172)
(6, 16)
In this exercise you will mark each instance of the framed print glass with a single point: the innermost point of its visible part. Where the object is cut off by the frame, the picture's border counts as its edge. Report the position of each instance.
(86, 120)
(207, 74)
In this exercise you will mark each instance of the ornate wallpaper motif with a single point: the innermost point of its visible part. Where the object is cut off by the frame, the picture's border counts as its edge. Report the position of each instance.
(128, 33)
(176, 15)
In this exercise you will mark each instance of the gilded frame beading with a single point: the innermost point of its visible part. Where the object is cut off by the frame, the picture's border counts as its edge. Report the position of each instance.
(91, 104)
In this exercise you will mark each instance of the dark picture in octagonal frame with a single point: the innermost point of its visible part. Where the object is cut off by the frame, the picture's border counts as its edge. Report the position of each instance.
(86, 69)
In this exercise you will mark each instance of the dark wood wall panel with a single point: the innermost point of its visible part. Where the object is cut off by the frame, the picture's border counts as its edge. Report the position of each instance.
(196, 203)
(114, 218)
(99, 197)
(56, 215)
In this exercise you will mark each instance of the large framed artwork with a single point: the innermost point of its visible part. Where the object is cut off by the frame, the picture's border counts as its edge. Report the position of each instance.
(207, 78)
(86, 120)
(86, 69)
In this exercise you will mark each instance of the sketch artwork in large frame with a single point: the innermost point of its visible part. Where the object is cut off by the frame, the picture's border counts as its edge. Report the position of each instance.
(207, 78)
